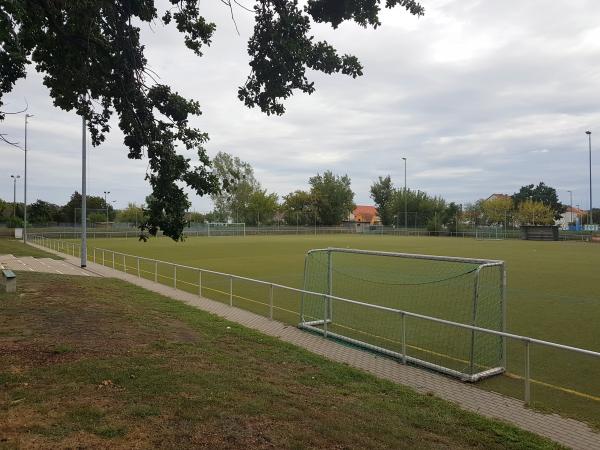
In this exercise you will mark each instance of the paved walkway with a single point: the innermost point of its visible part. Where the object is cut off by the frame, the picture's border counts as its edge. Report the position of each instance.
(568, 432)
(48, 265)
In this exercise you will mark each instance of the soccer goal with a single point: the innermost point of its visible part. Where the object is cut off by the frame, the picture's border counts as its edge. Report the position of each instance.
(490, 233)
(370, 290)
(226, 229)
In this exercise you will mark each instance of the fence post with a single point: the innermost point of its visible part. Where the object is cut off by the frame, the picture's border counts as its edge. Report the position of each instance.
(325, 315)
(113, 255)
(403, 338)
(156, 271)
(527, 374)
(200, 283)
(124, 265)
(175, 277)
(271, 302)
(102, 256)
(94, 255)
(138, 267)
(230, 291)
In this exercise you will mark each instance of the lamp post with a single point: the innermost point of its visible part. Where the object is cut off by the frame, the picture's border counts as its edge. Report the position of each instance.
(15, 177)
(83, 196)
(589, 133)
(27, 116)
(571, 204)
(106, 203)
(405, 198)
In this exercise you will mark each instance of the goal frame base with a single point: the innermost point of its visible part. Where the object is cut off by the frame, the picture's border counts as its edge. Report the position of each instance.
(316, 326)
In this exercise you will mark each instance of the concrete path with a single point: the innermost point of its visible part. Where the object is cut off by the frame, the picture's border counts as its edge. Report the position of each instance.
(568, 432)
(48, 265)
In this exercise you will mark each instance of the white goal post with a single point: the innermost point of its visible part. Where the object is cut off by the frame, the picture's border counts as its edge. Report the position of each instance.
(384, 302)
(226, 229)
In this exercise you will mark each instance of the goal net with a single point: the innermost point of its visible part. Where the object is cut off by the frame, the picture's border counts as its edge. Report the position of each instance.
(490, 233)
(370, 291)
(226, 229)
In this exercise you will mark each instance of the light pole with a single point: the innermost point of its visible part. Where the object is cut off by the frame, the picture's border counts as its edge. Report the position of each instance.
(83, 196)
(571, 203)
(27, 116)
(405, 200)
(15, 177)
(589, 133)
(106, 203)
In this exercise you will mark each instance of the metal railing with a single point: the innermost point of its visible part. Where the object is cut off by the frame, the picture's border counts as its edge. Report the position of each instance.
(132, 264)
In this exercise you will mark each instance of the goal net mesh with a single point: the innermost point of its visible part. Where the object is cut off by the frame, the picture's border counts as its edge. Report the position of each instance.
(468, 292)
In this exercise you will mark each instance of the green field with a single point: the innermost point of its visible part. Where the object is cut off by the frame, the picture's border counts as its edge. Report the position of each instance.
(553, 294)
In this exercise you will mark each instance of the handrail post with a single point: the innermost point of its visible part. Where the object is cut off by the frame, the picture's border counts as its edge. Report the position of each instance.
(527, 374)
(325, 315)
(271, 302)
(403, 338)
(156, 271)
(124, 265)
(94, 255)
(175, 277)
(200, 283)
(113, 255)
(138, 268)
(230, 291)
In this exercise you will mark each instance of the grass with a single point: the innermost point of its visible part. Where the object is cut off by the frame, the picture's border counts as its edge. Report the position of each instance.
(552, 295)
(9, 246)
(81, 367)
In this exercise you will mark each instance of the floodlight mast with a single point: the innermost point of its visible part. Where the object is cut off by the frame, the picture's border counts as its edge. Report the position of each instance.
(27, 116)
(589, 133)
(83, 196)
(405, 200)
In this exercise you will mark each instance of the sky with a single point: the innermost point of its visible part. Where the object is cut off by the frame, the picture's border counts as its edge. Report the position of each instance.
(481, 97)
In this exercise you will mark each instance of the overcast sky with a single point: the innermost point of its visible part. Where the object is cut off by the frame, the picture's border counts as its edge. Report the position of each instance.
(480, 96)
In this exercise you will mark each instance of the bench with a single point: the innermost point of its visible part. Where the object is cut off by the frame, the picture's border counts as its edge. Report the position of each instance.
(10, 280)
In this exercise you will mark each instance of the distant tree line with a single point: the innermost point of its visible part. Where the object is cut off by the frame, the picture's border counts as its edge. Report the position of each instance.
(327, 200)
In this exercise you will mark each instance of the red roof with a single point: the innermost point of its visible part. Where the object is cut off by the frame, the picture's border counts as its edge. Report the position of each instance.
(364, 213)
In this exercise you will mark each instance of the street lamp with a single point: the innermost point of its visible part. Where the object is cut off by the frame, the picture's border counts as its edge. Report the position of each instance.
(405, 199)
(106, 203)
(27, 116)
(571, 203)
(589, 133)
(15, 177)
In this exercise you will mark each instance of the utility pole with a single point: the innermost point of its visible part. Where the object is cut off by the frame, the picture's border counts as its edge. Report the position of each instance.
(589, 133)
(27, 116)
(15, 177)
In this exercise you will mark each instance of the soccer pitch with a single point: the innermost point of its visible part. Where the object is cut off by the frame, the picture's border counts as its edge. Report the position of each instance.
(553, 294)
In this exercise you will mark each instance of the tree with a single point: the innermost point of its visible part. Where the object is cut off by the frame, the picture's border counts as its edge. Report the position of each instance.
(382, 193)
(495, 210)
(535, 213)
(132, 214)
(540, 193)
(42, 212)
(71, 211)
(334, 199)
(96, 217)
(231, 202)
(94, 63)
(261, 207)
(420, 206)
(298, 208)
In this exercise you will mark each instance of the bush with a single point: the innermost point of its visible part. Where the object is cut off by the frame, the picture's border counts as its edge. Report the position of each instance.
(14, 222)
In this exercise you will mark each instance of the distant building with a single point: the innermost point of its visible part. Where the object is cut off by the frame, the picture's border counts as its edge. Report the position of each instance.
(363, 218)
(496, 196)
(569, 216)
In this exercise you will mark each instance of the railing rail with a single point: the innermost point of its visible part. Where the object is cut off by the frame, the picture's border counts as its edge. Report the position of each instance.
(526, 340)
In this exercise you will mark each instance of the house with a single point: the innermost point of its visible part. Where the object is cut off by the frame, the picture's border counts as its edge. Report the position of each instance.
(571, 215)
(364, 218)
(496, 196)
